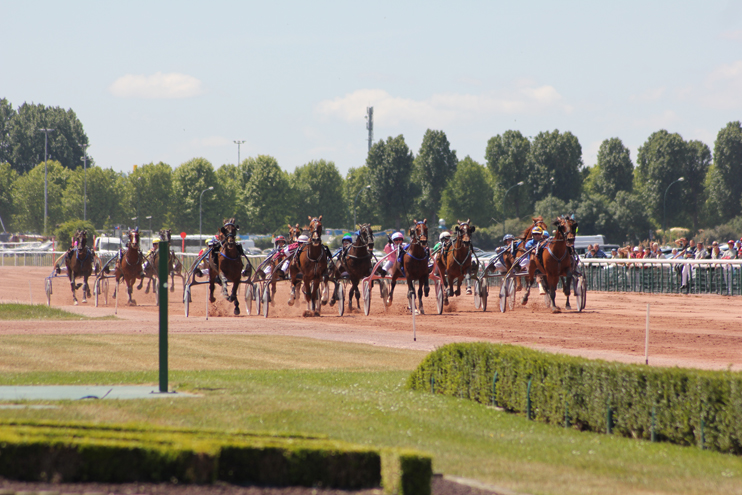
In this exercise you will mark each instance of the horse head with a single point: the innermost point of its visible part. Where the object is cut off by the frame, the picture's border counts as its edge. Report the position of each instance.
(229, 231)
(464, 230)
(165, 235)
(294, 233)
(81, 236)
(133, 239)
(315, 229)
(366, 235)
(537, 222)
(568, 228)
(419, 232)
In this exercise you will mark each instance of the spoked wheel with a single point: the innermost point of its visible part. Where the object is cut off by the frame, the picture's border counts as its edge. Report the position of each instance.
(249, 296)
(384, 292)
(511, 293)
(366, 294)
(104, 289)
(266, 299)
(483, 292)
(48, 289)
(258, 296)
(439, 296)
(507, 291)
(411, 302)
(340, 296)
(580, 288)
(477, 295)
(96, 290)
(187, 299)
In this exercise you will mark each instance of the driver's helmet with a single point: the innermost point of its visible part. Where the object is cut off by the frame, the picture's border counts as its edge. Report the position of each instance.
(303, 238)
(155, 241)
(347, 238)
(444, 236)
(546, 234)
(278, 239)
(398, 236)
(508, 237)
(537, 231)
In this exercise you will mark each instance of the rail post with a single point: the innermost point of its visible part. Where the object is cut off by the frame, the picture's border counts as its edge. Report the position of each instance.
(162, 275)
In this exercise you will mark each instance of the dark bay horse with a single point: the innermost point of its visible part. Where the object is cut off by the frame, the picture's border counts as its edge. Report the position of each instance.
(272, 264)
(554, 262)
(129, 265)
(455, 262)
(309, 266)
(357, 262)
(80, 263)
(513, 254)
(152, 263)
(228, 265)
(414, 264)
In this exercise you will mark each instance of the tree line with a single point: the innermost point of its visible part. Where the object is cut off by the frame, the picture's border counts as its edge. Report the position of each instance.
(521, 176)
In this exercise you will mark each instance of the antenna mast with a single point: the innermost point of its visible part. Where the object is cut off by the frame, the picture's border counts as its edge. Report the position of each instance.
(370, 125)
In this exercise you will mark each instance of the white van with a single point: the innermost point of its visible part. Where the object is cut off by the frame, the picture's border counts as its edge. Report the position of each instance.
(107, 245)
(583, 241)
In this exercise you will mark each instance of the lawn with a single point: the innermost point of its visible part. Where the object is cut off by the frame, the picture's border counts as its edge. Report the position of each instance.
(15, 311)
(354, 393)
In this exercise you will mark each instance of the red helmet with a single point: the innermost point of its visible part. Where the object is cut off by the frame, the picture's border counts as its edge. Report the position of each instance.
(280, 238)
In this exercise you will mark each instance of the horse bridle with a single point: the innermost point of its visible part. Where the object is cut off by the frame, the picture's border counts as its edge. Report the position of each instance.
(317, 229)
(364, 236)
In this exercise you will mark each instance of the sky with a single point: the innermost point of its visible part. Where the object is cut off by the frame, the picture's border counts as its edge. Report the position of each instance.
(171, 81)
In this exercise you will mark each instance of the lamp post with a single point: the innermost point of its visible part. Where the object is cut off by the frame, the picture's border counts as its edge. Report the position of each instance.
(139, 200)
(150, 222)
(46, 132)
(85, 171)
(238, 143)
(664, 205)
(354, 204)
(503, 205)
(200, 199)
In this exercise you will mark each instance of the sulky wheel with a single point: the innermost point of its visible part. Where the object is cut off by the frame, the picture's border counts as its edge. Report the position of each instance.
(249, 296)
(366, 294)
(477, 297)
(580, 288)
(48, 290)
(483, 293)
(266, 299)
(340, 296)
(187, 299)
(439, 296)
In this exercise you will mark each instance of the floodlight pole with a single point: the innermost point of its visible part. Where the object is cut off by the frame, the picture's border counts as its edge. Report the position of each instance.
(354, 204)
(504, 217)
(150, 222)
(664, 206)
(85, 191)
(238, 143)
(200, 200)
(46, 132)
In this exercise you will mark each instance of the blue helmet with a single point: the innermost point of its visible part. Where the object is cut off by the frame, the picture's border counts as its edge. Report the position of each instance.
(348, 237)
(507, 237)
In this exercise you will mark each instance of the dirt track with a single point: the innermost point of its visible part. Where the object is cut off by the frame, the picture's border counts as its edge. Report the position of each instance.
(689, 331)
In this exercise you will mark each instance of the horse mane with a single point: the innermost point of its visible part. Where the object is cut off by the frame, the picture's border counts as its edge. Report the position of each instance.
(528, 229)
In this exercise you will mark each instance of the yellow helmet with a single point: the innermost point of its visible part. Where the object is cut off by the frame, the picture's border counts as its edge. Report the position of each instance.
(537, 230)
(155, 241)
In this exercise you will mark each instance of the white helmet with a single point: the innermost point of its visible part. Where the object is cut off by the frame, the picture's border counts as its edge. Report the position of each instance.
(303, 238)
(397, 235)
(444, 235)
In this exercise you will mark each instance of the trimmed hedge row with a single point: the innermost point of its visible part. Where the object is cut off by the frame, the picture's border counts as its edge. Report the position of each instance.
(73, 452)
(683, 406)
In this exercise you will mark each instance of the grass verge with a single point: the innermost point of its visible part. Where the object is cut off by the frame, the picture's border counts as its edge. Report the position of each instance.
(17, 311)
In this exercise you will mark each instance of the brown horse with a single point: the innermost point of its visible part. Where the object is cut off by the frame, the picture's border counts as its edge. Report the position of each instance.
(272, 264)
(129, 265)
(228, 265)
(414, 265)
(513, 254)
(152, 263)
(455, 261)
(554, 261)
(310, 261)
(80, 262)
(356, 261)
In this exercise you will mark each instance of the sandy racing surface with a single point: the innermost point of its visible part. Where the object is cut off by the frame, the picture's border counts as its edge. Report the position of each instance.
(689, 331)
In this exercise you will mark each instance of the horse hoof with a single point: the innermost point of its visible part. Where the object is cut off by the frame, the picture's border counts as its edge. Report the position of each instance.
(84, 300)
(146, 291)
(236, 311)
(291, 302)
(421, 311)
(567, 306)
(556, 310)
(132, 303)
(75, 302)
(468, 291)
(172, 289)
(212, 299)
(316, 313)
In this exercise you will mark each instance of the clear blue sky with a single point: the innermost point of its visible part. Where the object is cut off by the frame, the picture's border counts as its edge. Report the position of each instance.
(170, 81)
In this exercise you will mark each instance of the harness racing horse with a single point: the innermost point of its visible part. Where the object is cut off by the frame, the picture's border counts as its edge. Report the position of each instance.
(414, 265)
(571, 229)
(228, 266)
(514, 253)
(356, 261)
(80, 263)
(275, 261)
(455, 261)
(554, 261)
(152, 263)
(310, 262)
(129, 265)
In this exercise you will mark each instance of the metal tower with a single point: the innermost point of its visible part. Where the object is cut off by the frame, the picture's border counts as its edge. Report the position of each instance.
(370, 125)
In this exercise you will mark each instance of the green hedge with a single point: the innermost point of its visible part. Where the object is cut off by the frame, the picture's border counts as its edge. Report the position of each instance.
(686, 406)
(75, 452)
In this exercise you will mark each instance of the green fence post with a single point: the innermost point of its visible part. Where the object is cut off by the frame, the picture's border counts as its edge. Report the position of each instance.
(162, 295)
(494, 390)
(528, 400)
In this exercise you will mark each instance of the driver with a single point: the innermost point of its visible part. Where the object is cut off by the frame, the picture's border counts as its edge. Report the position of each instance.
(444, 239)
(279, 243)
(394, 246)
(287, 251)
(508, 243)
(535, 241)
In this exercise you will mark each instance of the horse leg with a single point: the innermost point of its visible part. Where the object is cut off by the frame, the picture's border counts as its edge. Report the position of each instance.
(85, 288)
(552, 282)
(411, 289)
(567, 289)
(235, 288)
(324, 286)
(211, 288)
(527, 291)
(449, 280)
(458, 279)
(467, 277)
(172, 281)
(427, 287)
(130, 290)
(421, 285)
(317, 288)
(224, 280)
(391, 293)
(71, 274)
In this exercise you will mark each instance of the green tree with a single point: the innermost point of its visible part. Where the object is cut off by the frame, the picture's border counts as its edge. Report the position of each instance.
(27, 142)
(469, 195)
(390, 165)
(728, 163)
(105, 196)
(554, 166)
(318, 190)
(434, 166)
(615, 172)
(28, 197)
(507, 160)
(630, 216)
(355, 187)
(662, 159)
(717, 195)
(65, 232)
(264, 196)
(231, 181)
(7, 114)
(550, 207)
(8, 177)
(591, 211)
(149, 192)
(190, 179)
(699, 161)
